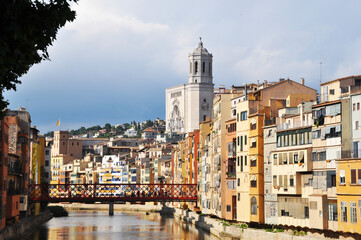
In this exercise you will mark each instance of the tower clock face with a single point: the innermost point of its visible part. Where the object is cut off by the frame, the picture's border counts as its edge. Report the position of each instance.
(205, 106)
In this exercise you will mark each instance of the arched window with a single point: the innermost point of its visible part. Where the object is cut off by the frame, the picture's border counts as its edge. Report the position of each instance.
(210, 68)
(204, 67)
(253, 206)
(190, 67)
(195, 67)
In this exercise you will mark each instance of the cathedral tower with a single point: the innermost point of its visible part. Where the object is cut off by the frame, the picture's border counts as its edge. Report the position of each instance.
(189, 104)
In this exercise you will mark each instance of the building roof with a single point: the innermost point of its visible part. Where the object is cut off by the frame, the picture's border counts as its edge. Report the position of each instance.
(200, 50)
(149, 129)
(325, 103)
(340, 79)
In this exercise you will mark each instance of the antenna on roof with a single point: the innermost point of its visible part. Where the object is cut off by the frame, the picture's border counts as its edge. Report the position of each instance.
(321, 71)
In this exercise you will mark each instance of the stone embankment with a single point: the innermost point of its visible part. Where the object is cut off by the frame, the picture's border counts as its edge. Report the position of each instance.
(217, 227)
(25, 226)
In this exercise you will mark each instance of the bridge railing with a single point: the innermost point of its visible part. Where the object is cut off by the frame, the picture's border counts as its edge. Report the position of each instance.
(111, 192)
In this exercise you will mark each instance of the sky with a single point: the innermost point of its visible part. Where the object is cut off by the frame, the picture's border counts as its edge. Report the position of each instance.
(114, 62)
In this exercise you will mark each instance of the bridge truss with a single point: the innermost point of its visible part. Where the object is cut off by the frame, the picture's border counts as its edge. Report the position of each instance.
(112, 193)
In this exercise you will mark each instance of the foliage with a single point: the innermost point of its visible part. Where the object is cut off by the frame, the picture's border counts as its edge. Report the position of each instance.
(28, 28)
(58, 211)
(299, 233)
(49, 134)
(148, 123)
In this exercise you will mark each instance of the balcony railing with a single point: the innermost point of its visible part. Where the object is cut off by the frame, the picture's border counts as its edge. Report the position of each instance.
(297, 124)
(231, 174)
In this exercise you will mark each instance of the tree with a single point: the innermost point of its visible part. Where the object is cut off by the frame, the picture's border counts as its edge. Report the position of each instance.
(108, 127)
(28, 28)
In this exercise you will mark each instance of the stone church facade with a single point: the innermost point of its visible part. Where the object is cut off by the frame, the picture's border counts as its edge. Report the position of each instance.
(189, 104)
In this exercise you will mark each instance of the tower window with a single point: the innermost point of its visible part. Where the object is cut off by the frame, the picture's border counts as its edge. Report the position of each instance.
(204, 117)
(195, 67)
(210, 68)
(204, 67)
(204, 100)
(195, 81)
(190, 67)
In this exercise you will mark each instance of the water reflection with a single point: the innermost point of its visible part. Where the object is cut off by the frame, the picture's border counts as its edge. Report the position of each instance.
(91, 225)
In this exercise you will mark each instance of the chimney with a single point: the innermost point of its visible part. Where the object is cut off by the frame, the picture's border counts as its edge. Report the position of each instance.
(302, 81)
(265, 83)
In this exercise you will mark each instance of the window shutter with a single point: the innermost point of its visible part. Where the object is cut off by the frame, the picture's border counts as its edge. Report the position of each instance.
(353, 176)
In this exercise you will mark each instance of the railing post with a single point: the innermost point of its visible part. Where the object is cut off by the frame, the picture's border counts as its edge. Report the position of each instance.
(111, 208)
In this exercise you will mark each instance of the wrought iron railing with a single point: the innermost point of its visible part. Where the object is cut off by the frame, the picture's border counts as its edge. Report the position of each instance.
(112, 192)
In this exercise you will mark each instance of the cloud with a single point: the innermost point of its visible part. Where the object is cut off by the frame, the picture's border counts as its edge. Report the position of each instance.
(114, 62)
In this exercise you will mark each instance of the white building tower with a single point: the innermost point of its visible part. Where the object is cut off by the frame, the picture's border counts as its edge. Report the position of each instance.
(189, 104)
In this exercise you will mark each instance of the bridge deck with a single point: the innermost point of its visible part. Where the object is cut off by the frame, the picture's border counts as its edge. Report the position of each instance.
(112, 192)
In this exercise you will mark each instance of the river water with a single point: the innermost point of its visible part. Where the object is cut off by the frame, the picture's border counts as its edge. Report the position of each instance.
(91, 225)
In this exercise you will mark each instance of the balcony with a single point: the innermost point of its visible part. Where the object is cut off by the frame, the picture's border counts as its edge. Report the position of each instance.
(231, 174)
(15, 168)
(295, 124)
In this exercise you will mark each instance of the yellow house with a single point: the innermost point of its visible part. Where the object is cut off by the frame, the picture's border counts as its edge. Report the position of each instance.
(349, 195)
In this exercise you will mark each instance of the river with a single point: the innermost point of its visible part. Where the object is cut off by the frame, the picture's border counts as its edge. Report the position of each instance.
(91, 225)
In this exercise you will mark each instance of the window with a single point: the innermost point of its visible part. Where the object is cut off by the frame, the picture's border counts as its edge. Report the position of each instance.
(253, 143)
(291, 181)
(253, 162)
(239, 196)
(302, 138)
(359, 176)
(332, 91)
(286, 140)
(342, 177)
(253, 206)
(228, 208)
(203, 67)
(253, 181)
(204, 117)
(354, 107)
(307, 212)
(243, 115)
(353, 176)
(253, 126)
(316, 134)
(275, 159)
(332, 212)
(278, 141)
(275, 181)
(245, 140)
(241, 163)
(47, 163)
(196, 67)
(359, 208)
(356, 125)
(295, 158)
(343, 207)
(239, 182)
(245, 160)
(353, 212)
(358, 106)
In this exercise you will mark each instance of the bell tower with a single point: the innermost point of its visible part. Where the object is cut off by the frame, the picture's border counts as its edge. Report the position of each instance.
(200, 65)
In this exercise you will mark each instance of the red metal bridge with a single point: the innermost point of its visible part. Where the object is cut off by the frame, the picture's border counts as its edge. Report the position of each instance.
(105, 193)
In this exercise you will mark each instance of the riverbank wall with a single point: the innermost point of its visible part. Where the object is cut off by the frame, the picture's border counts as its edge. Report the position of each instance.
(25, 226)
(217, 227)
